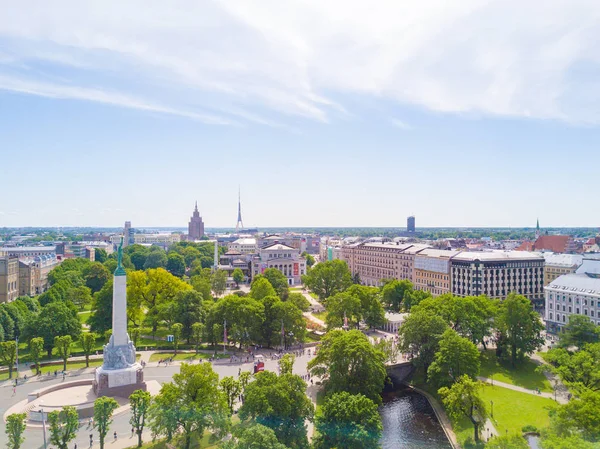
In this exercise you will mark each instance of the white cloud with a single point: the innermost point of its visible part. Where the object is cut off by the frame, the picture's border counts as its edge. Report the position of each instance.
(263, 61)
(400, 124)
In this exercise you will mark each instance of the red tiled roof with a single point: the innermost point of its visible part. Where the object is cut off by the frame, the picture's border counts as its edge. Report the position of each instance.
(525, 246)
(554, 243)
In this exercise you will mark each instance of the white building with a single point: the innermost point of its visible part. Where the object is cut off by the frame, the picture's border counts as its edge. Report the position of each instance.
(285, 258)
(569, 294)
(243, 246)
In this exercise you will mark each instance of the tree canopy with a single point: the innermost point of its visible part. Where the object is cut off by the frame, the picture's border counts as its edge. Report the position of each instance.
(327, 278)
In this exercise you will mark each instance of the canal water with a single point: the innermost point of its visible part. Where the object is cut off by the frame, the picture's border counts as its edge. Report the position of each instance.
(409, 422)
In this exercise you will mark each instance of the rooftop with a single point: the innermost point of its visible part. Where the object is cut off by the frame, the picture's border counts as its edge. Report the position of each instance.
(278, 246)
(576, 283)
(497, 255)
(440, 253)
(246, 241)
(554, 243)
(563, 260)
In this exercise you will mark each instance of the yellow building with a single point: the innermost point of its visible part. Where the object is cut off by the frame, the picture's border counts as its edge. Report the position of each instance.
(9, 277)
(559, 264)
(432, 271)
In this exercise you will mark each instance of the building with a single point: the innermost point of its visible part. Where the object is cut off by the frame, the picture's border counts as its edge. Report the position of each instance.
(128, 233)
(33, 274)
(9, 277)
(555, 244)
(577, 293)
(497, 274)
(410, 224)
(558, 264)
(163, 239)
(243, 246)
(373, 262)
(285, 258)
(432, 271)
(29, 251)
(196, 225)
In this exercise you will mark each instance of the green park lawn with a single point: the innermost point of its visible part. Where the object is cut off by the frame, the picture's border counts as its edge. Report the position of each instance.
(320, 315)
(524, 375)
(84, 316)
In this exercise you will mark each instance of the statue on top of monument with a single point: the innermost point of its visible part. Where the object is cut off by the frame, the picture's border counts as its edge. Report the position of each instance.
(120, 271)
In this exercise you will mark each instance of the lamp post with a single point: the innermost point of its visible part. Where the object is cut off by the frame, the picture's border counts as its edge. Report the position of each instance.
(17, 358)
(44, 427)
(492, 413)
(555, 388)
(492, 377)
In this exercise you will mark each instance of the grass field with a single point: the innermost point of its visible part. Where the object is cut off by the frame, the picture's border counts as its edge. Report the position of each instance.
(320, 315)
(524, 375)
(84, 316)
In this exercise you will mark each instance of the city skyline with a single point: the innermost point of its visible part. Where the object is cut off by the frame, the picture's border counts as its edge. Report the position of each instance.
(333, 114)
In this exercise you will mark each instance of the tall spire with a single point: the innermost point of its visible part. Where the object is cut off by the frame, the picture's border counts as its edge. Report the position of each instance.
(240, 224)
(196, 208)
(537, 229)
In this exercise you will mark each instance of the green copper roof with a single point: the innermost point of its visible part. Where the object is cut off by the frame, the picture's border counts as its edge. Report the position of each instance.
(120, 271)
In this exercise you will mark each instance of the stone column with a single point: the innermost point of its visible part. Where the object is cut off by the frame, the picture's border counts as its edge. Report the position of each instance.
(119, 315)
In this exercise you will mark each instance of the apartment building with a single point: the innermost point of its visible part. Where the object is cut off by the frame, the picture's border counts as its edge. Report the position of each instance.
(9, 277)
(432, 271)
(243, 246)
(559, 264)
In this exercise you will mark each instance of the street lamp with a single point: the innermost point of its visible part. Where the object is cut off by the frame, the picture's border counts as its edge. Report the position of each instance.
(492, 404)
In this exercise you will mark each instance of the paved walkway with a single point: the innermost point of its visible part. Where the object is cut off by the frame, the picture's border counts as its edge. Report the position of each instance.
(559, 398)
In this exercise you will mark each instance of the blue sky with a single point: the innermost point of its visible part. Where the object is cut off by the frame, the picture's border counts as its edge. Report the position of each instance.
(335, 113)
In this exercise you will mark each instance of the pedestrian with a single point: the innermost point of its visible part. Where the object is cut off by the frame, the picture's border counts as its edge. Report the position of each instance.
(75, 446)
(132, 432)
(115, 435)
(91, 439)
(14, 391)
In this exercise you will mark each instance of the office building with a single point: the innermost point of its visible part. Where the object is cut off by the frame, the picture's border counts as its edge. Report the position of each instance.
(243, 246)
(128, 233)
(432, 271)
(410, 224)
(558, 264)
(196, 225)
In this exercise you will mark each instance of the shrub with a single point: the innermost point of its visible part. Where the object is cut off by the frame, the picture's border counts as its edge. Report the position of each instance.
(529, 428)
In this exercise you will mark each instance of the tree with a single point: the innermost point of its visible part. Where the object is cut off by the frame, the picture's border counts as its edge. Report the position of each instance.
(348, 421)
(219, 282)
(286, 364)
(101, 318)
(347, 361)
(104, 408)
(394, 293)
(579, 331)
(176, 330)
(187, 309)
(79, 296)
(176, 264)
(36, 346)
(244, 379)
(192, 403)
(261, 288)
(156, 259)
(294, 325)
(15, 427)
(580, 415)
(254, 436)
(371, 309)
(310, 260)
(8, 355)
(231, 388)
(202, 285)
(343, 305)
(140, 403)
(507, 442)
(238, 276)
(100, 255)
(388, 348)
(414, 298)
(279, 402)
(519, 326)
(419, 335)
(62, 344)
(462, 400)
(455, 357)
(197, 332)
(88, 342)
(137, 254)
(96, 275)
(244, 317)
(135, 333)
(328, 278)
(279, 282)
(299, 301)
(63, 426)
(552, 440)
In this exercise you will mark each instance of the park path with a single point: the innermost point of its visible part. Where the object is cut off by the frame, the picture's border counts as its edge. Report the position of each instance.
(559, 397)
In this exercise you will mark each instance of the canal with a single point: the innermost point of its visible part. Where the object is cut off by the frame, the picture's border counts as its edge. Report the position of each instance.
(409, 422)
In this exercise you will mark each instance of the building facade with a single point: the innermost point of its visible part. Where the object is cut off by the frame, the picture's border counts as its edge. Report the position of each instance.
(243, 246)
(283, 257)
(410, 224)
(128, 233)
(557, 265)
(497, 274)
(432, 271)
(196, 225)
(29, 251)
(9, 277)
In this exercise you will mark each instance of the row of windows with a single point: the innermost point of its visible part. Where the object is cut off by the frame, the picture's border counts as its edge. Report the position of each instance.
(563, 318)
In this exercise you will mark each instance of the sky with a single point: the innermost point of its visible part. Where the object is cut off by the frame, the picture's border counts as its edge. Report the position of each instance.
(336, 113)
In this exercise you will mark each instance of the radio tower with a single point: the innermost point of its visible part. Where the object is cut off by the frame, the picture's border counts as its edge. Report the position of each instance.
(240, 223)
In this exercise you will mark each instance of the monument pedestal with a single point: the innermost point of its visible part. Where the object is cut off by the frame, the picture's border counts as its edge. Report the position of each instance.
(119, 382)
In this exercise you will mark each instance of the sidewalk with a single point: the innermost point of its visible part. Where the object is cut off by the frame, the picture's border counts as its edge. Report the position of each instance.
(560, 398)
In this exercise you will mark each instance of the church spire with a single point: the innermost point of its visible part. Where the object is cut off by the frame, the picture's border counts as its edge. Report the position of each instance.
(537, 229)
(240, 224)
(196, 207)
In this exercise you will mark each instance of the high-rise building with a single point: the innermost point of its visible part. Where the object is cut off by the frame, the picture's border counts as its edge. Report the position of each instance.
(196, 225)
(128, 232)
(410, 224)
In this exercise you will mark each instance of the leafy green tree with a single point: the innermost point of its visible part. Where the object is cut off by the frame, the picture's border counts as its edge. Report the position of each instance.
(176, 264)
(137, 254)
(244, 379)
(389, 349)
(202, 285)
(156, 259)
(219, 282)
(254, 436)
(187, 309)
(18, 314)
(579, 331)
(327, 278)
(348, 421)
(286, 364)
(176, 331)
(101, 318)
(104, 408)
(279, 282)
(7, 324)
(62, 344)
(36, 347)
(193, 402)
(456, 356)
(63, 426)
(8, 355)
(279, 402)
(231, 388)
(270, 326)
(371, 308)
(394, 293)
(340, 305)
(520, 327)
(414, 298)
(552, 440)
(581, 416)
(347, 361)
(419, 335)
(79, 296)
(507, 442)
(310, 260)
(96, 275)
(238, 276)
(197, 333)
(294, 325)
(88, 343)
(32, 304)
(244, 317)
(462, 400)
(100, 255)
(261, 288)
(15, 428)
(139, 401)
(299, 301)
(135, 333)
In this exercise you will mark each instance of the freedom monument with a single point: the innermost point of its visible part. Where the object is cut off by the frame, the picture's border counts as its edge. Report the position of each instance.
(120, 374)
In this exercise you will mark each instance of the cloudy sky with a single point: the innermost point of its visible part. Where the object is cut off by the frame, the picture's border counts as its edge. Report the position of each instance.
(336, 113)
